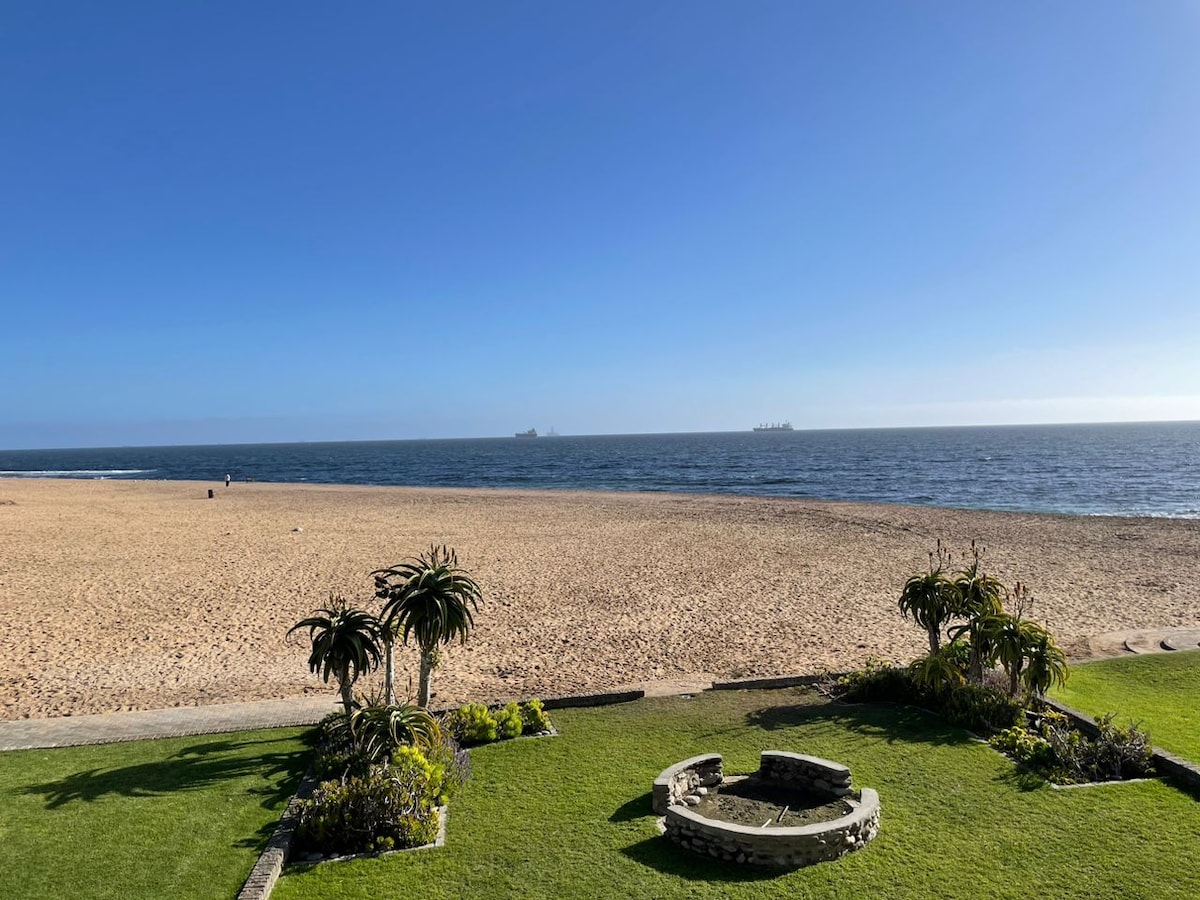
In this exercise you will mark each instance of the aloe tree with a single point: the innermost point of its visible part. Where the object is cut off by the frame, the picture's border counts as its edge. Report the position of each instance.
(1010, 637)
(345, 644)
(430, 598)
(977, 597)
(930, 599)
(1045, 664)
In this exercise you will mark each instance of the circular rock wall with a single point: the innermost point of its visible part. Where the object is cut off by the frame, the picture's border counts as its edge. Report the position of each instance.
(783, 847)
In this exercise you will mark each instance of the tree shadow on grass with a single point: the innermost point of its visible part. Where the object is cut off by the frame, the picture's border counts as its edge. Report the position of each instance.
(1022, 779)
(889, 722)
(258, 840)
(193, 768)
(637, 808)
(660, 854)
(1188, 788)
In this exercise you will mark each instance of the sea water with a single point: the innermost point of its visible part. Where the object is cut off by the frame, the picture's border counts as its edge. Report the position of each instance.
(1146, 469)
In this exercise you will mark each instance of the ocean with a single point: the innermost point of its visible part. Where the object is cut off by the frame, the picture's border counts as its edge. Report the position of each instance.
(1144, 469)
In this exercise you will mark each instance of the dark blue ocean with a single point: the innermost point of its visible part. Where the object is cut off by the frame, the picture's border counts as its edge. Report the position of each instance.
(1150, 469)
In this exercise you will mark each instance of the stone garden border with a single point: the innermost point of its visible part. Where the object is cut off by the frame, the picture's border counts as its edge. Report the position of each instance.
(1183, 772)
(677, 787)
(261, 880)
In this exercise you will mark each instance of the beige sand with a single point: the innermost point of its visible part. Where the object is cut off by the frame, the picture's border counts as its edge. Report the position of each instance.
(134, 595)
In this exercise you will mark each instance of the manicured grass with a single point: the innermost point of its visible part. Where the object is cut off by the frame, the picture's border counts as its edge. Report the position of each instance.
(570, 816)
(1162, 690)
(185, 817)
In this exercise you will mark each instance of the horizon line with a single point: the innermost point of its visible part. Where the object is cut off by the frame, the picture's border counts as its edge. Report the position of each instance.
(795, 430)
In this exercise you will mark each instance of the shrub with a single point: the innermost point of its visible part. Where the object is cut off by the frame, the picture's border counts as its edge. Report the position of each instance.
(970, 706)
(336, 753)
(1122, 752)
(454, 763)
(979, 708)
(879, 682)
(959, 652)
(1115, 754)
(508, 722)
(472, 724)
(533, 717)
(1060, 752)
(388, 808)
(1026, 748)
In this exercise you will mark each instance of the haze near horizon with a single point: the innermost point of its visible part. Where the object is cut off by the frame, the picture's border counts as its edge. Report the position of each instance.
(296, 223)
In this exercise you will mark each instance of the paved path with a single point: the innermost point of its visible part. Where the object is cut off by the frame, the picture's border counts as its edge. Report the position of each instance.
(1142, 640)
(70, 731)
(1162, 640)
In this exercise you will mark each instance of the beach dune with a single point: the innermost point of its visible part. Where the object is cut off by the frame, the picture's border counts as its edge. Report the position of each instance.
(134, 595)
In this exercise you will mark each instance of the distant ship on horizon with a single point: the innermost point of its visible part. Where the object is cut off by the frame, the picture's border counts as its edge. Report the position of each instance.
(531, 433)
(775, 426)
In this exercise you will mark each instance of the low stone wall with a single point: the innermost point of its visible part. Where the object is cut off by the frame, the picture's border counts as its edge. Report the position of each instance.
(810, 773)
(679, 787)
(261, 880)
(682, 779)
(565, 701)
(782, 847)
(780, 681)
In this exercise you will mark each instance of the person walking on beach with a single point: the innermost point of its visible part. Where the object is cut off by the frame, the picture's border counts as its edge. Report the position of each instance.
(227, 480)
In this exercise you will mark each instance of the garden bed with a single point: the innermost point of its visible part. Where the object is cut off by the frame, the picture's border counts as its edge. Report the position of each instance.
(797, 810)
(749, 800)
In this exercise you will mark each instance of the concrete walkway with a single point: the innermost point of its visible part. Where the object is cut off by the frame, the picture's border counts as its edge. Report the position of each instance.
(1156, 640)
(70, 731)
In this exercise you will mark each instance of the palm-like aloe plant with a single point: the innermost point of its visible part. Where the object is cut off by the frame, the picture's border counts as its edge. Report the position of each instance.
(345, 644)
(377, 731)
(930, 599)
(1010, 637)
(937, 671)
(1045, 664)
(978, 596)
(430, 598)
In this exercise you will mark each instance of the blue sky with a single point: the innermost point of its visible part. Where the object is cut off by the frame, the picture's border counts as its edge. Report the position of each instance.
(292, 221)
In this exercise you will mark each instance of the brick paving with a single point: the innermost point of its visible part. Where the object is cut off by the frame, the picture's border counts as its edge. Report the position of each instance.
(71, 731)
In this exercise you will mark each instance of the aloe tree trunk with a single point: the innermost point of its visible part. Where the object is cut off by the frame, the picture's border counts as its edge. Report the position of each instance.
(423, 686)
(389, 670)
(975, 661)
(346, 685)
(975, 667)
(935, 643)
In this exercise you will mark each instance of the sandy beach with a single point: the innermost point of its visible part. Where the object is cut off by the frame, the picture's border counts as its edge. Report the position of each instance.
(135, 595)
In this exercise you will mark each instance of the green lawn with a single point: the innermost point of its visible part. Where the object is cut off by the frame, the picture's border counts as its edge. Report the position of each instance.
(185, 817)
(570, 816)
(1162, 690)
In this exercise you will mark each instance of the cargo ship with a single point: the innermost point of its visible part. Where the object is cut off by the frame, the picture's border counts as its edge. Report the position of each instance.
(774, 426)
(531, 433)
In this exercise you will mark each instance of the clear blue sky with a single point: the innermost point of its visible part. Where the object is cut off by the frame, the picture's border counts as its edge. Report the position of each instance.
(297, 221)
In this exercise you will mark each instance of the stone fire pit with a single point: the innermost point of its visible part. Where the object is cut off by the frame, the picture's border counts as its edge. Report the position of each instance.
(795, 811)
